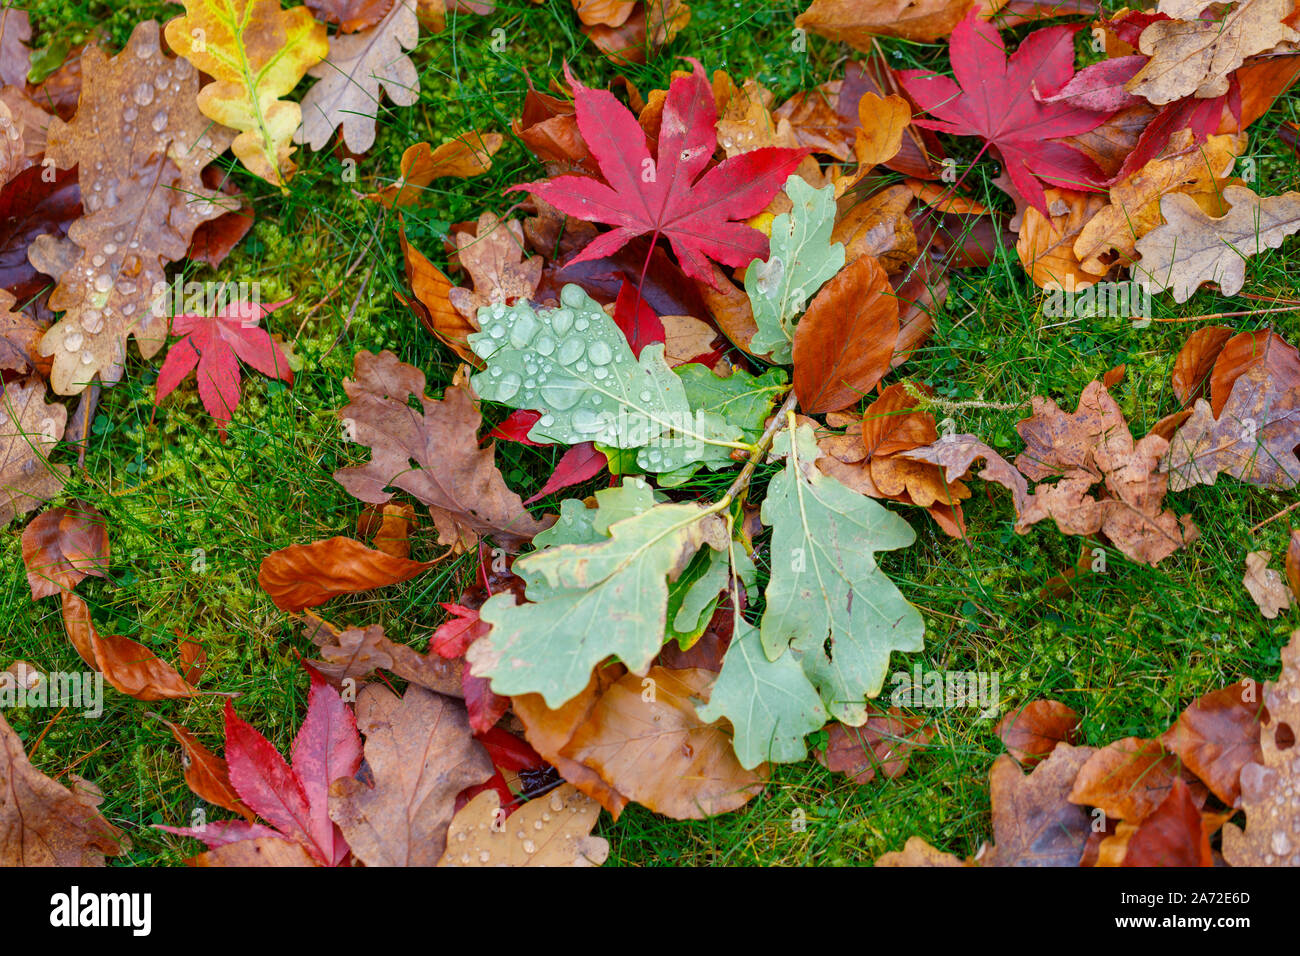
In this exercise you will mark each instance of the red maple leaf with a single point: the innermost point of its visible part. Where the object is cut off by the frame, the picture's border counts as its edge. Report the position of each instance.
(293, 798)
(993, 97)
(667, 195)
(215, 345)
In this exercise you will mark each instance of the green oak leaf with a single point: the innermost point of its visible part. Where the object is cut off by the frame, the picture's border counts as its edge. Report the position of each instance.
(825, 583)
(592, 601)
(574, 365)
(694, 596)
(772, 705)
(802, 257)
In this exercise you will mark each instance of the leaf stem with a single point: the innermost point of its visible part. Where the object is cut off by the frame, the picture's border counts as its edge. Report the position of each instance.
(741, 484)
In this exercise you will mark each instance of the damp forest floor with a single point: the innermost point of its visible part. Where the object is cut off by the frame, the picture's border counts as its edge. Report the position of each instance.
(1127, 648)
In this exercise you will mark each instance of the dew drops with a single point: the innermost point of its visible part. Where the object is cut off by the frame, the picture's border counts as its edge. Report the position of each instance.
(92, 320)
(103, 282)
(523, 330)
(109, 248)
(497, 371)
(162, 79)
(547, 420)
(72, 341)
(97, 260)
(561, 321)
(645, 395)
(462, 836)
(507, 386)
(159, 122)
(1281, 843)
(544, 344)
(498, 332)
(130, 113)
(484, 856)
(530, 846)
(560, 394)
(581, 323)
(573, 296)
(571, 349)
(143, 93)
(87, 357)
(600, 372)
(538, 824)
(599, 353)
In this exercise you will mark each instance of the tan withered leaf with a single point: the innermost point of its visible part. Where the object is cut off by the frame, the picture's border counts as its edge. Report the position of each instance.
(1129, 778)
(843, 343)
(421, 753)
(1293, 563)
(259, 851)
(1046, 245)
(880, 133)
(348, 82)
(883, 744)
(879, 226)
(206, 774)
(916, 852)
(1196, 359)
(552, 830)
(1035, 730)
(1270, 787)
(1254, 439)
(494, 258)
(62, 546)
(1267, 589)
(305, 575)
(1196, 57)
(358, 652)
(29, 430)
(1243, 352)
(42, 822)
(140, 145)
(857, 22)
(432, 302)
(19, 336)
(1216, 736)
(390, 527)
(469, 154)
(745, 119)
(1034, 823)
(1191, 247)
(127, 665)
(1109, 238)
(453, 476)
(15, 57)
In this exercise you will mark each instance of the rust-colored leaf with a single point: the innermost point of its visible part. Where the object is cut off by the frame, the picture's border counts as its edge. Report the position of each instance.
(1129, 779)
(62, 546)
(206, 774)
(128, 666)
(1216, 736)
(1034, 822)
(1195, 361)
(884, 744)
(1034, 731)
(469, 154)
(305, 575)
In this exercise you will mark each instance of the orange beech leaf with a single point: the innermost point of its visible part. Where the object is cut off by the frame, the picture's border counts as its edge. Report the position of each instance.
(305, 575)
(128, 666)
(206, 774)
(1033, 732)
(1216, 736)
(62, 546)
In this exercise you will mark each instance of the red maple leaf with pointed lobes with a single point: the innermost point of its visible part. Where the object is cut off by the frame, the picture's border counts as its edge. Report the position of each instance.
(666, 195)
(292, 797)
(992, 97)
(214, 346)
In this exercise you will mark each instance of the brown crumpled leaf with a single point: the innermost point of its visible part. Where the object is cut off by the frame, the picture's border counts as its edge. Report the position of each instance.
(1216, 736)
(42, 822)
(551, 830)
(1196, 57)
(432, 302)
(29, 430)
(390, 527)
(420, 753)
(128, 666)
(358, 652)
(1034, 824)
(1034, 731)
(259, 851)
(884, 743)
(206, 774)
(469, 154)
(846, 338)
(858, 22)
(18, 337)
(916, 852)
(1195, 361)
(1130, 778)
(1293, 562)
(62, 546)
(1267, 589)
(548, 126)
(494, 258)
(15, 57)
(1046, 245)
(1270, 787)
(1192, 247)
(453, 476)
(879, 226)
(140, 145)
(616, 746)
(305, 575)
(1245, 351)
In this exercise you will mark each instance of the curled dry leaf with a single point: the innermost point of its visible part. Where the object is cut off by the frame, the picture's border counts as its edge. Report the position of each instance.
(432, 302)
(1034, 731)
(1129, 779)
(844, 342)
(127, 665)
(390, 526)
(1034, 824)
(1177, 833)
(256, 53)
(1216, 735)
(206, 774)
(1269, 785)
(859, 22)
(348, 82)
(469, 154)
(357, 653)
(1293, 563)
(1196, 360)
(420, 754)
(551, 830)
(305, 575)
(1266, 587)
(884, 743)
(140, 166)
(42, 822)
(29, 430)
(453, 476)
(62, 546)
(1246, 351)
(19, 336)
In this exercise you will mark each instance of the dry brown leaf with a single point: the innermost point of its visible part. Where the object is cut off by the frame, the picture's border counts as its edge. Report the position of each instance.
(859, 22)
(745, 120)
(19, 336)
(884, 743)
(1216, 735)
(62, 546)
(29, 430)
(357, 653)
(350, 15)
(893, 422)
(1196, 57)
(140, 145)
(1293, 562)
(1270, 787)
(432, 302)
(880, 135)
(15, 57)
(1034, 823)
(456, 479)
(846, 338)
(687, 339)
(1196, 359)
(494, 258)
(206, 774)
(469, 154)
(1245, 351)
(420, 752)
(1130, 778)
(128, 666)
(305, 575)
(1192, 248)
(392, 528)
(259, 851)
(1109, 238)
(610, 13)
(879, 226)
(1046, 245)
(1266, 587)
(1034, 731)
(551, 830)
(916, 852)
(42, 822)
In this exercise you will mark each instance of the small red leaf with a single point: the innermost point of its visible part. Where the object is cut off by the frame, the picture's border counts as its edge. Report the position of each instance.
(579, 463)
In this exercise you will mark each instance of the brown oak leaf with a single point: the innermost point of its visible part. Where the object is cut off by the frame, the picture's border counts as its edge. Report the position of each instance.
(1034, 731)
(29, 430)
(551, 830)
(1216, 735)
(494, 258)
